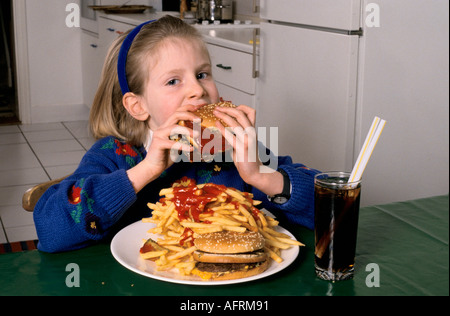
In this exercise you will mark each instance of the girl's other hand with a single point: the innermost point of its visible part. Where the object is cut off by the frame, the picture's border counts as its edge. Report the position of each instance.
(241, 134)
(158, 156)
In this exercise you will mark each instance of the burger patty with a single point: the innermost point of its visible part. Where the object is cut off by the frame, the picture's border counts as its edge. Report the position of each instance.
(252, 253)
(224, 267)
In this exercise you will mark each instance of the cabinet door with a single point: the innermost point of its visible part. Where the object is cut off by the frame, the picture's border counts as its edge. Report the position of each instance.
(92, 62)
(233, 68)
(109, 30)
(236, 96)
(307, 88)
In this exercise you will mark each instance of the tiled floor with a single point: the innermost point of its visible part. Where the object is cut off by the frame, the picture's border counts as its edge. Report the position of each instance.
(31, 154)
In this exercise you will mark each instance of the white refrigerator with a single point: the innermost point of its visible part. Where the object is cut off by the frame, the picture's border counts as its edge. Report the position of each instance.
(308, 78)
(327, 67)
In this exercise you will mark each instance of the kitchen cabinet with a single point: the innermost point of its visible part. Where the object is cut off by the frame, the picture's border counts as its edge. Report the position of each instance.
(94, 48)
(109, 30)
(232, 71)
(234, 61)
(92, 61)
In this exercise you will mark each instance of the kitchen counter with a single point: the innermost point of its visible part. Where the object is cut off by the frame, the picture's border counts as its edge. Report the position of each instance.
(136, 19)
(229, 35)
(235, 38)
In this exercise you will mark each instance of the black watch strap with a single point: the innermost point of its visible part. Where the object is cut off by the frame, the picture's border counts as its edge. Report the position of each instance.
(284, 196)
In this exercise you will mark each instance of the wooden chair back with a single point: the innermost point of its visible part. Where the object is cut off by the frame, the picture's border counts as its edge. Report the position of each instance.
(33, 194)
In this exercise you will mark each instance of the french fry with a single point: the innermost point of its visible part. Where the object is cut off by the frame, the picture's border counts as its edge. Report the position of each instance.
(275, 233)
(271, 221)
(240, 218)
(273, 241)
(277, 244)
(150, 220)
(185, 268)
(249, 216)
(182, 253)
(194, 224)
(290, 241)
(273, 255)
(166, 191)
(165, 242)
(234, 193)
(212, 229)
(166, 215)
(237, 229)
(222, 220)
(175, 248)
(153, 254)
(263, 220)
(222, 208)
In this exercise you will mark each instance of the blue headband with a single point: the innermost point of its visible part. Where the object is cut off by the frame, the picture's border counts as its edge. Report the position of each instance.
(123, 54)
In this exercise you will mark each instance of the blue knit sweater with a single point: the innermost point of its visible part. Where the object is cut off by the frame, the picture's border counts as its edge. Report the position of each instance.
(98, 199)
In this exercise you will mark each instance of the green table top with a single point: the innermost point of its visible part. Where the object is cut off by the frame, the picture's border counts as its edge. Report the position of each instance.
(408, 241)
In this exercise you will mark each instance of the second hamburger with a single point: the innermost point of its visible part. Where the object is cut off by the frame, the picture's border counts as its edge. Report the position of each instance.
(229, 255)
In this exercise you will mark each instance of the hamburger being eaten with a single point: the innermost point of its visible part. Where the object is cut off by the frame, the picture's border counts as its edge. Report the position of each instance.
(228, 255)
(211, 141)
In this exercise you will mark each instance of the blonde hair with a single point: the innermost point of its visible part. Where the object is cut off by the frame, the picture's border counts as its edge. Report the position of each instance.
(108, 116)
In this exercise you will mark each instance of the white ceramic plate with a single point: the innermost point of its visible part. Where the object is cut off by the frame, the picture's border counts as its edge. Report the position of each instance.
(127, 242)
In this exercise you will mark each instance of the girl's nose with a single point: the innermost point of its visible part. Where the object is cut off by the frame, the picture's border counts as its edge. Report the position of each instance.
(196, 90)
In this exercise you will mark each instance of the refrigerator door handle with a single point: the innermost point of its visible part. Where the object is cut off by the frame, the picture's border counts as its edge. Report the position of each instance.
(255, 6)
(255, 72)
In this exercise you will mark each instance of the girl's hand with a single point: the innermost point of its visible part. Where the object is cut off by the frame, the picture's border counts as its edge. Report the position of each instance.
(158, 156)
(241, 134)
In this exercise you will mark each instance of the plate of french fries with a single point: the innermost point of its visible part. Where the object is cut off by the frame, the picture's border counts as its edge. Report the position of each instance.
(187, 210)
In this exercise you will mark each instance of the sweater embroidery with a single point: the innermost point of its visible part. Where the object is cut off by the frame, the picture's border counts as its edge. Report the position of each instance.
(122, 149)
(78, 195)
(92, 224)
(213, 170)
(205, 174)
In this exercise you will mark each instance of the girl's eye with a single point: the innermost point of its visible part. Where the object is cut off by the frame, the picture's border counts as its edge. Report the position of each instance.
(172, 82)
(202, 75)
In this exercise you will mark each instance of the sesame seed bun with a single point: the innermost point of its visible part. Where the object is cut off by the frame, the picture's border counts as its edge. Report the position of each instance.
(228, 242)
(207, 116)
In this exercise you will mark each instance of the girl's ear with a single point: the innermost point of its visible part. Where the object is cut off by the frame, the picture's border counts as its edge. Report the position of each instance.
(134, 106)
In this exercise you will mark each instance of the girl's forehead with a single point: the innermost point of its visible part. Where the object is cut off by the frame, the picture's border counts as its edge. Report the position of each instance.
(180, 44)
(175, 46)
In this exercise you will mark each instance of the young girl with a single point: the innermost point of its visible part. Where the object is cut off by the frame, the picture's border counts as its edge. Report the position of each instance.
(154, 76)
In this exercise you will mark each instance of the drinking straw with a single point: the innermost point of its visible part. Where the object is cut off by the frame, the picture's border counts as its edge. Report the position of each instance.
(367, 149)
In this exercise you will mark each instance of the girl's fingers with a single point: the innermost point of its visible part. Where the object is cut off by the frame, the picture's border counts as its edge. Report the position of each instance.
(242, 115)
(183, 113)
(175, 130)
